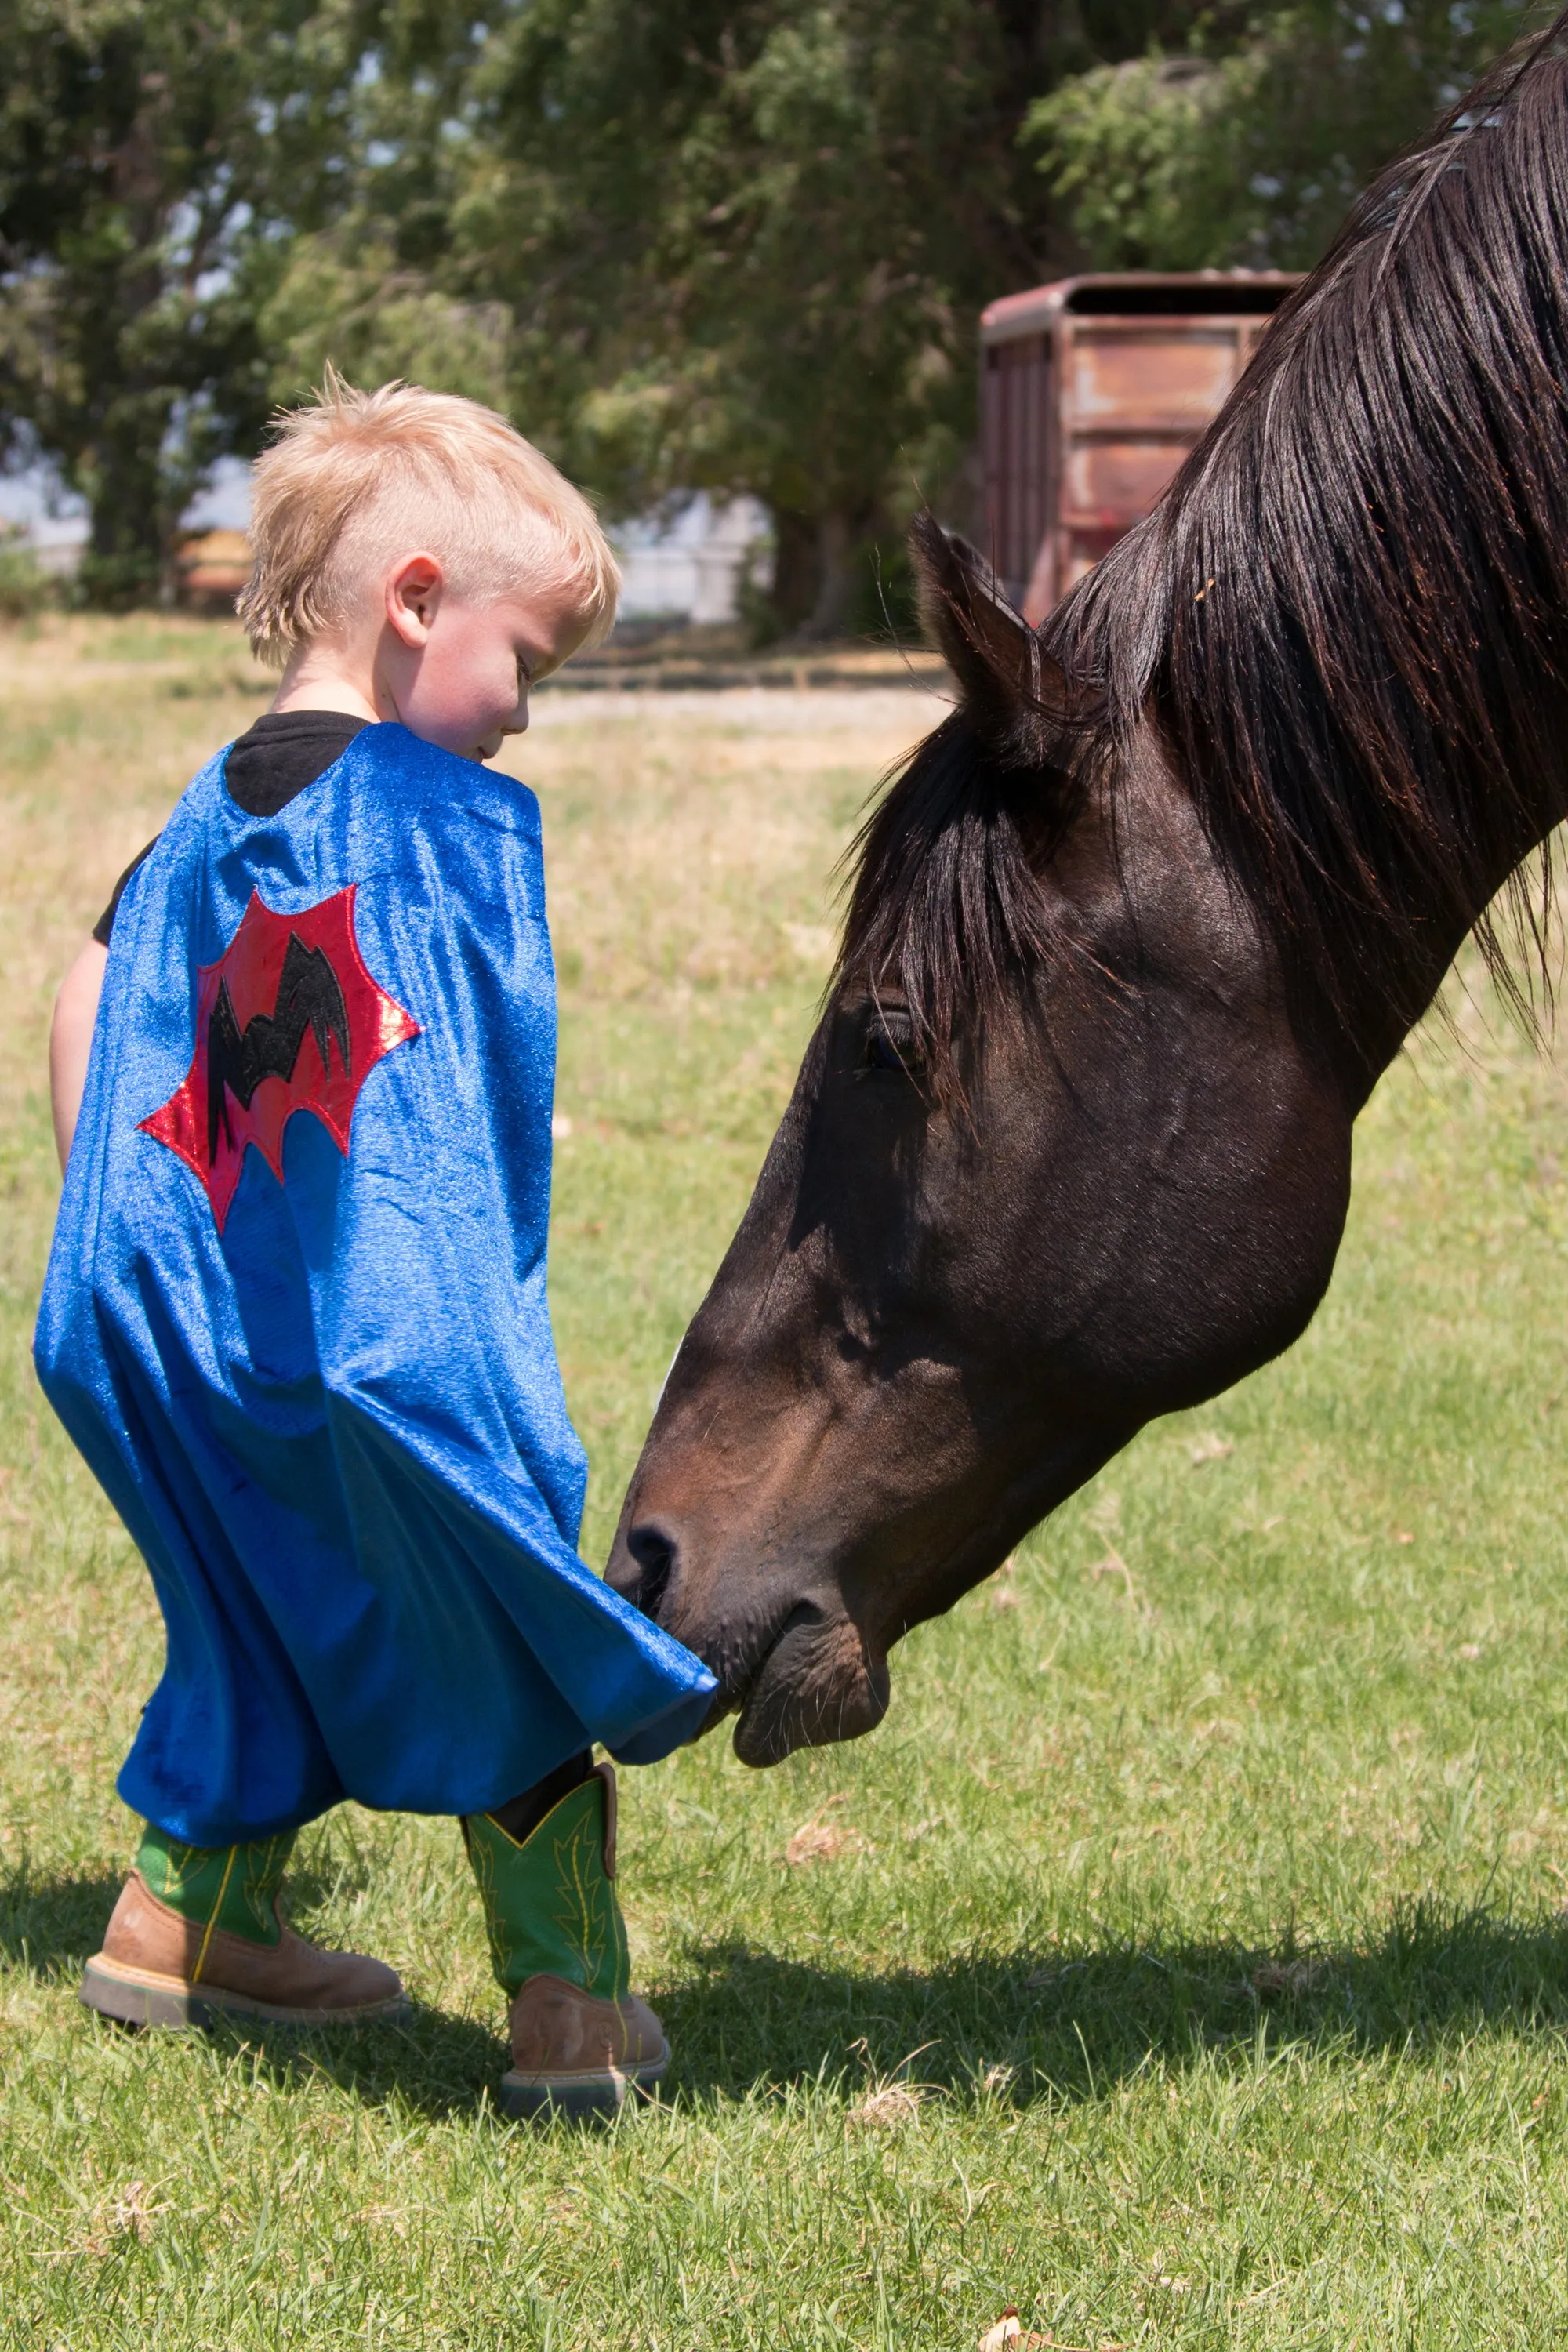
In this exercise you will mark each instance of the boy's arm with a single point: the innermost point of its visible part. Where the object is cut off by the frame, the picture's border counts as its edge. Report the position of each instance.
(70, 1041)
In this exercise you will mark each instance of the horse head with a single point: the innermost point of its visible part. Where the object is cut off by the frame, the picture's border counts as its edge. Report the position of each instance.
(1056, 1161)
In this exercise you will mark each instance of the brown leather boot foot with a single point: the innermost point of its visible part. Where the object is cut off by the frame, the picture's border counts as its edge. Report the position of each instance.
(156, 1969)
(574, 2055)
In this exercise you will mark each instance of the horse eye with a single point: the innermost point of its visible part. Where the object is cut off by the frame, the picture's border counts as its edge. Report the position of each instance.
(890, 1043)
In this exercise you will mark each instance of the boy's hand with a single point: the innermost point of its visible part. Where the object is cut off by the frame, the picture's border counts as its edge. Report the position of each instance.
(70, 1041)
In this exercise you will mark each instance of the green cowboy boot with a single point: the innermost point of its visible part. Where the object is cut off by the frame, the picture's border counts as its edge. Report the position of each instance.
(581, 2039)
(197, 1930)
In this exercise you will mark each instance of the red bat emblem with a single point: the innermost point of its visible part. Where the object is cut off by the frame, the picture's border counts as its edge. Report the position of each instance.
(283, 980)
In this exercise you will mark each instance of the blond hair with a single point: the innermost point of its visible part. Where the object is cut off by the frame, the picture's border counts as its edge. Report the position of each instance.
(354, 479)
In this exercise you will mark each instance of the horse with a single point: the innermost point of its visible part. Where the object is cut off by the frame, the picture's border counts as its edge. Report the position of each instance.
(1131, 938)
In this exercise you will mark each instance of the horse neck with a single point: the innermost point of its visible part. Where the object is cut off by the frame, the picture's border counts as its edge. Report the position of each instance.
(1373, 794)
(1361, 1024)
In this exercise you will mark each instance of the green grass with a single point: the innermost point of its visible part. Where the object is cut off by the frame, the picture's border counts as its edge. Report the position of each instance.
(1184, 1965)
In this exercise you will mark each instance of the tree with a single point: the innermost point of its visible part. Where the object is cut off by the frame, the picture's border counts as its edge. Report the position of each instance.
(382, 288)
(757, 237)
(740, 246)
(1251, 150)
(152, 153)
(744, 246)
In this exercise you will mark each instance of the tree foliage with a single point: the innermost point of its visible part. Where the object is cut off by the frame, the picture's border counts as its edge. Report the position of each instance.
(796, 253)
(738, 247)
(742, 244)
(738, 244)
(152, 155)
(1250, 150)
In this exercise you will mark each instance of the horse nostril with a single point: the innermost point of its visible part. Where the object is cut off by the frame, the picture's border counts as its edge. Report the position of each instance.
(654, 1553)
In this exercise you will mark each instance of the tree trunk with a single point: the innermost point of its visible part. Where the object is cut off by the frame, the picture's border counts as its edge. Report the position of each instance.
(795, 568)
(814, 572)
(829, 614)
(127, 560)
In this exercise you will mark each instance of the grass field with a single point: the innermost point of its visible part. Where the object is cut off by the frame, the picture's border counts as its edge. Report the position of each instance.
(1180, 1963)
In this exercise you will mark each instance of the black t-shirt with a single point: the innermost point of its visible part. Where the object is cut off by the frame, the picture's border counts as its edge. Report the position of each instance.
(268, 766)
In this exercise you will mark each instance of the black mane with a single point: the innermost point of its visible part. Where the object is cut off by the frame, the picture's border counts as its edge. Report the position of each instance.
(1348, 618)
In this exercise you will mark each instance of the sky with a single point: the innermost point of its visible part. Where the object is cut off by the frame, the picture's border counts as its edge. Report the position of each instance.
(29, 497)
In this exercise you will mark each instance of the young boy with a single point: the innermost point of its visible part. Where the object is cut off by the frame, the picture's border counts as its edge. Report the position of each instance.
(308, 1357)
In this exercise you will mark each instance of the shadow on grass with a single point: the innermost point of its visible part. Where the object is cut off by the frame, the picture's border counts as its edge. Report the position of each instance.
(435, 2064)
(1067, 2025)
(55, 1923)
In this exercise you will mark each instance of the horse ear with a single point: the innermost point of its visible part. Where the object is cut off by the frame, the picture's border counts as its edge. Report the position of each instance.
(1009, 687)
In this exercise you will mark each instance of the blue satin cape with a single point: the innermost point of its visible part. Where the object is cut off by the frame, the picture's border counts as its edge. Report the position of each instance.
(335, 1429)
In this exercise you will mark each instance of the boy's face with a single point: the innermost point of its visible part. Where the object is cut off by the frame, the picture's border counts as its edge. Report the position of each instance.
(458, 674)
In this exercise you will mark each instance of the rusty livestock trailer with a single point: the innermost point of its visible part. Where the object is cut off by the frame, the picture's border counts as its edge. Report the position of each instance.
(1092, 392)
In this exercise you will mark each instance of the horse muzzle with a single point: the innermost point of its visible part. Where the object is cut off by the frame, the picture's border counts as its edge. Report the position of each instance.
(818, 1684)
(797, 1671)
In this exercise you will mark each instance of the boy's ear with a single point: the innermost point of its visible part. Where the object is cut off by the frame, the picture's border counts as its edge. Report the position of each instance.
(413, 587)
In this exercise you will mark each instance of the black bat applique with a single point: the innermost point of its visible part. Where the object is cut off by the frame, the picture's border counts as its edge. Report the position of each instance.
(309, 996)
(322, 985)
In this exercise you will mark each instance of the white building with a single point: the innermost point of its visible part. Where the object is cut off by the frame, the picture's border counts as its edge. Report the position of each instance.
(690, 565)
